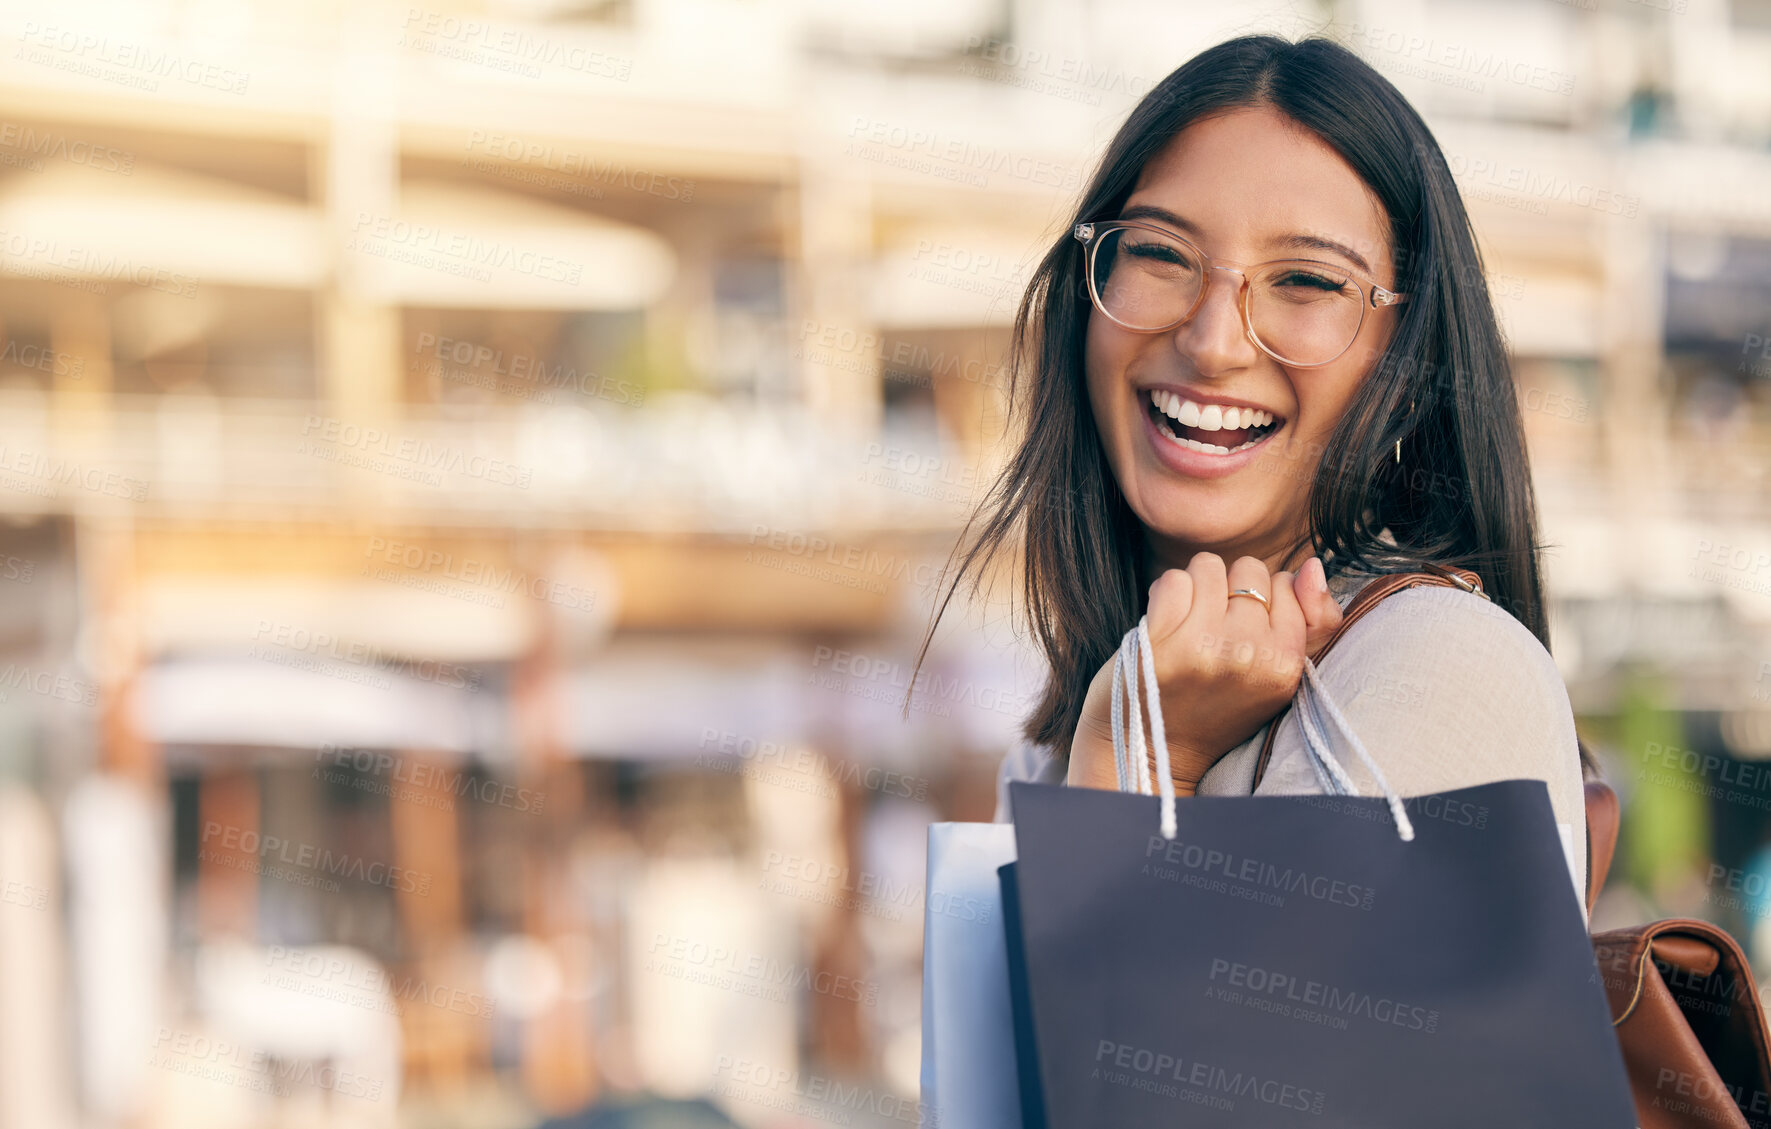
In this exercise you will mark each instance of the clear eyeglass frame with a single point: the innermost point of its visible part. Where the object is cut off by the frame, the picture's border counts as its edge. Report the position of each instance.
(1371, 295)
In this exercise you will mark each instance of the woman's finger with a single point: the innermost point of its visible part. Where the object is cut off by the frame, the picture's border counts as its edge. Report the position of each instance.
(1246, 615)
(1171, 598)
(1210, 588)
(1322, 615)
(1289, 627)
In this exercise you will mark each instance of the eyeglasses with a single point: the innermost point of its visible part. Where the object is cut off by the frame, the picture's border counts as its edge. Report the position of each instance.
(1300, 312)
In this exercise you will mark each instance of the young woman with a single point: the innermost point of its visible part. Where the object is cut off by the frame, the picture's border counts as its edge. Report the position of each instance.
(1260, 368)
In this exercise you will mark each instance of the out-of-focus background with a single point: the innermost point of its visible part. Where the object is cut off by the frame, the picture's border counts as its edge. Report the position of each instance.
(473, 477)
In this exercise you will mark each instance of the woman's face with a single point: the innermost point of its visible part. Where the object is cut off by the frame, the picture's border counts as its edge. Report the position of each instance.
(1247, 187)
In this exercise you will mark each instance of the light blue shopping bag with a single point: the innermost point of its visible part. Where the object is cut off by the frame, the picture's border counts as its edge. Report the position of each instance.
(968, 1027)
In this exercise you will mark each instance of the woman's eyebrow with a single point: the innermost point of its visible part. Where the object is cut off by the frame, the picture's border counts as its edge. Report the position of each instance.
(1298, 240)
(1321, 243)
(1161, 215)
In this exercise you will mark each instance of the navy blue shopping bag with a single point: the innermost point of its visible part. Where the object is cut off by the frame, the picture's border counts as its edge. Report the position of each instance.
(1319, 961)
(1290, 961)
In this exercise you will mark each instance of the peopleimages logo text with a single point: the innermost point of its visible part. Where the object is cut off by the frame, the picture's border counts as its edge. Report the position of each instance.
(246, 841)
(427, 778)
(1255, 872)
(1313, 993)
(1157, 1067)
(411, 449)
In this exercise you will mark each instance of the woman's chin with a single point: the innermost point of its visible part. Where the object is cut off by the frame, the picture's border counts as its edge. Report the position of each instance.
(1202, 513)
(1210, 537)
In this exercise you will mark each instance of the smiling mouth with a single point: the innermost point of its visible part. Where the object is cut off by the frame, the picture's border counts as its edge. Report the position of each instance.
(1211, 429)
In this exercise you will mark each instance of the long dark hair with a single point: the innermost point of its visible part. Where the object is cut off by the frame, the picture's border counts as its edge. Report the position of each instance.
(1461, 494)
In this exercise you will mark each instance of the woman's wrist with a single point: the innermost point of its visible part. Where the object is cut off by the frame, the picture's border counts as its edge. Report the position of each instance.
(1186, 782)
(1091, 753)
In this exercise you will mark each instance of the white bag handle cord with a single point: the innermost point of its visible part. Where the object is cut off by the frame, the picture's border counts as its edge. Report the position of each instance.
(1133, 761)
(1131, 764)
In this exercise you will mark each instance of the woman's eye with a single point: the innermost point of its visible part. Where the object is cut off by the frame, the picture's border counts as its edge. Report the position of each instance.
(1158, 252)
(1312, 281)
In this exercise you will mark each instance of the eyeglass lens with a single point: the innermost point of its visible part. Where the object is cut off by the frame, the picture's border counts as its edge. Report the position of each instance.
(1303, 312)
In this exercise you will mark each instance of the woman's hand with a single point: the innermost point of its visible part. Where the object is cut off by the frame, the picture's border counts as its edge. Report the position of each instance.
(1225, 664)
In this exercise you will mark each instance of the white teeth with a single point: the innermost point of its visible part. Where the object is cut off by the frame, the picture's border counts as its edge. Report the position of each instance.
(1207, 448)
(1207, 417)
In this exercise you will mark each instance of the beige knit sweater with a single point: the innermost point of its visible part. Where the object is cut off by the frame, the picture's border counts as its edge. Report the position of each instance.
(1445, 689)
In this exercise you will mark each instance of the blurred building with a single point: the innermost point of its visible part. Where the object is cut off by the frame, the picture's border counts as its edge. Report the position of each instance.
(475, 476)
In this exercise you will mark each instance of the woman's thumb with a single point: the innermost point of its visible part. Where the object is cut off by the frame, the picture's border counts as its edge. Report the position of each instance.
(1321, 614)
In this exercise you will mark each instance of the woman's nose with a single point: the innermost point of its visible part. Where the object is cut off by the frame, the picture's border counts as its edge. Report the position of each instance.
(1216, 336)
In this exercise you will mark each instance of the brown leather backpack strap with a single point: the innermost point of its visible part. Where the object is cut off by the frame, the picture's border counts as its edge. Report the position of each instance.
(1366, 599)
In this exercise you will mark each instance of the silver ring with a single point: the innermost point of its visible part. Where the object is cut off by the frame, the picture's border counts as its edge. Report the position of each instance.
(1251, 592)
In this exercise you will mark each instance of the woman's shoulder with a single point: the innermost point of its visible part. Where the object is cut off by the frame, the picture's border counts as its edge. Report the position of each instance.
(1449, 660)
(1448, 690)
(1450, 625)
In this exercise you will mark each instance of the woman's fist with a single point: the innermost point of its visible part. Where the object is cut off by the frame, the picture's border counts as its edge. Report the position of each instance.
(1226, 664)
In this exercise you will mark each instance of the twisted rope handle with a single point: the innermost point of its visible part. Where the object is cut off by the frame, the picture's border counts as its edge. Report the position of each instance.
(1131, 764)
(1318, 693)
(1135, 650)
